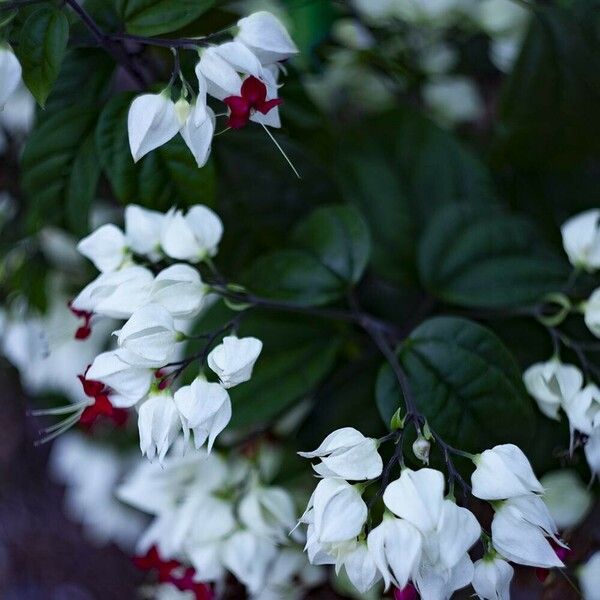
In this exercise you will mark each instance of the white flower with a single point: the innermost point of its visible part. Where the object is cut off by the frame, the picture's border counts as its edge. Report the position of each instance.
(552, 384)
(583, 409)
(130, 383)
(233, 359)
(503, 472)
(567, 499)
(591, 313)
(180, 290)
(592, 451)
(519, 531)
(589, 578)
(581, 239)
(264, 34)
(10, 74)
(268, 511)
(106, 248)
(216, 75)
(241, 58)
(159, 424)
(491, 579)
(197, 133)
(142, 229)
(152, 121)
(417, 496)
(434, 583)
(148, 338)
(249, 557)
(453, 99)
(348, 454)
(339, 511)
(193, 237)
(395, 546)
(205, 409)
(116, 294)
(361, 568)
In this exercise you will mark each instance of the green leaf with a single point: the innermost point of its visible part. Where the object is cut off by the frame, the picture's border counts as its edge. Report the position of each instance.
(399, 169)
(294, 276)
(548, 112)
(41, 49)
(154, 17)
(165, 177)
(60, 169)
(338, 237)
(297, 354)
(479, 257)
(465, 381)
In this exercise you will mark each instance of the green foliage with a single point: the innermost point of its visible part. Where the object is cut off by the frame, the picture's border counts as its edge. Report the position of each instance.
(60, 172)
(557, 77)
(154, 17)
(331, 252)
(475, 256)
(166, 177)
(42, 45)
(465, 381)
(400, 180)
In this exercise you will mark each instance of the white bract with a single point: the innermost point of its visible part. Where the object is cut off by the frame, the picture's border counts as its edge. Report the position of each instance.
(581, 240)
(589, 578)
(434, 583)
(233, 359)
(552, 384)
(591, 313)
(361, 568)
(193, 237)
(116, 294)
(339, 511)
(592, 451)
(491, 579)
(503, 472)
(348, 454)
(567, 498)
(106, 248)
(583, 409)
(131, 383)
(142, 229)
(159, 424)
(148, 338)
(180, 290)
(10, 74)
(520, 529)
(268, 39)
(205, 409)
(395, 546)
(152, 121)
(197, 132)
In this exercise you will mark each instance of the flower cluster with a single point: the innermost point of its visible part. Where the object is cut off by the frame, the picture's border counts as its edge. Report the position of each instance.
(242, 73)
(141, 371)
(424, 537)
(213, 514)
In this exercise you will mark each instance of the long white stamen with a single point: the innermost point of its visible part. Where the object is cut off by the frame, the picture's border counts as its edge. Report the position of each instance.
(60, 410)
(281, 150)
(64, 426)
(62, 423)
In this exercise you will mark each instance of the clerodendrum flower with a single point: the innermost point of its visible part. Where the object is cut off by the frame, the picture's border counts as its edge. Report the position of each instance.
(159, 425)
(233, 359)
(503, 472)
(581, 239)
(491, 578)
(180, 290)
(10, 74)
(348, 454)
(106, 248)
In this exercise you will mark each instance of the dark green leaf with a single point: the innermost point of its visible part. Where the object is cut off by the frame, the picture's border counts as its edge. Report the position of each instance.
(399, 169)
(165, 177)
(338, 237)
(294, 276)
(60, 169)
(480, 257)
(549, 113)
(42, 46)
(464, 381)
(154, 17)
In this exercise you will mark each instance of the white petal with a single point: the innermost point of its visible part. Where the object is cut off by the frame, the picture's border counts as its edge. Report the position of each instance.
(142, 229)
(177, 239)
(105, 247)
(221, 78)
(198, 137)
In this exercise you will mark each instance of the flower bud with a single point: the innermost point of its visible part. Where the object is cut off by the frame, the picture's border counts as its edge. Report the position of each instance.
(591, 313)
(159, 425)
(421, 448)
(106, 248)
(491, 579)
(581, 239)
(233, 359)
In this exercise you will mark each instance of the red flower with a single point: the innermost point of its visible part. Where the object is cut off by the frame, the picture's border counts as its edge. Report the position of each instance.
(406, 593)
(85, 330)
(152, 561)
(101, 406)
(253, 98)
